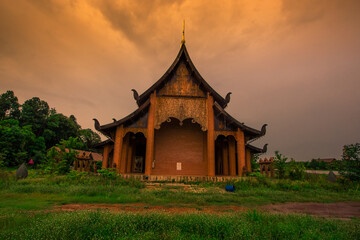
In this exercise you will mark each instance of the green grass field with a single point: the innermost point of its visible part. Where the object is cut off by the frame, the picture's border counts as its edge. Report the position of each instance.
(24, 206)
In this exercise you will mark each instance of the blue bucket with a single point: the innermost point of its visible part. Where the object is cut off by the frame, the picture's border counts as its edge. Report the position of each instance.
(230, 188)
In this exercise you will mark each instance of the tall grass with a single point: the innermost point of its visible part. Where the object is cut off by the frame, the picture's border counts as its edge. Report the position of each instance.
(103, 225)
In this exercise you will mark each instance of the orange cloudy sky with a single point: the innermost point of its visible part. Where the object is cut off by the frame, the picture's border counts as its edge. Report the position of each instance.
(294, 64)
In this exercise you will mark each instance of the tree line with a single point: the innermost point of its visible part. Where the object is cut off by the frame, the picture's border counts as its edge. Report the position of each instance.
(27, 130)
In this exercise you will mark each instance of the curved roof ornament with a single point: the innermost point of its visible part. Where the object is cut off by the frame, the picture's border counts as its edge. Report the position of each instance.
(264, 149)
(227, 99)
(96, 124)
(263, 130)
(136, 96)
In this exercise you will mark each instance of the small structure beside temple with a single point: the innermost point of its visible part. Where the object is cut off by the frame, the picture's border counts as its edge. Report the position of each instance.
(180, 128)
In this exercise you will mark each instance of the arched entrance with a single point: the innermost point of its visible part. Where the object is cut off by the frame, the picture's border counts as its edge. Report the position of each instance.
(225, 156)
(135, 153)
(179, 149)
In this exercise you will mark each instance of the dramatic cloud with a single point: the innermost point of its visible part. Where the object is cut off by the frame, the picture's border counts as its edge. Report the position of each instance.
(292, 64)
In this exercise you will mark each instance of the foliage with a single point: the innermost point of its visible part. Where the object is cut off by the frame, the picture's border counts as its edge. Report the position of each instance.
(351, 162)
(59, 127)
(89, 137)
(19, 144)
(255, 167)
(280, 164)
(9, 106)
(34, 112)
(296, 170)
(108, 173)
(26, 131)
(59, 159)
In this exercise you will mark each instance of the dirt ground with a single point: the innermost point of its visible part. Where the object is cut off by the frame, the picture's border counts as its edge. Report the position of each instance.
(341, 210)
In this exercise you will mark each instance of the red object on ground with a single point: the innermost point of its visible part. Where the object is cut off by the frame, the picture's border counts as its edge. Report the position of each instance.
(31, 161)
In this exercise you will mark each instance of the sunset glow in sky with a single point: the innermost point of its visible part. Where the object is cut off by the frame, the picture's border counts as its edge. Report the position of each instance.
(294, 64)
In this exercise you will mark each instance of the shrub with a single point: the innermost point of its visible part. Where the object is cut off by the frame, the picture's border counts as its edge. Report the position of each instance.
(296, 170)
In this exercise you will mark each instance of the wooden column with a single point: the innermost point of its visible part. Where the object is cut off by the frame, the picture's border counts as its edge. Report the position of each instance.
(240, 139)
(106, 156)
(149, 157)
(232, 157)
(225, 157)
(248, 160)
(118, 145)
(210, 136)
(129, 156)
(124, 149)
(205, 147)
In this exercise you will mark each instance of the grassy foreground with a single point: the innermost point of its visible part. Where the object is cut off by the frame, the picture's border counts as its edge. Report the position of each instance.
(104, 225)
(24, 205)
(35, 193)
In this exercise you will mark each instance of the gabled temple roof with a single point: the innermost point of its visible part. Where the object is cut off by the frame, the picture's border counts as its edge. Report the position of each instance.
(254, 149)
(183, 54)
(130, 117)
(252, 132)
(220, 103)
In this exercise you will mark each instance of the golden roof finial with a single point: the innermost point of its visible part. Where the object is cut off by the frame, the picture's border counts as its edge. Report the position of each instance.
(183, 34)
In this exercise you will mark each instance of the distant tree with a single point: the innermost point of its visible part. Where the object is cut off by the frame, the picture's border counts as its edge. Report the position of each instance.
(58, 127)
(351, 162)
(9, 106)
(19, 144)
(280, 164)
(89, 137)
(34, 112)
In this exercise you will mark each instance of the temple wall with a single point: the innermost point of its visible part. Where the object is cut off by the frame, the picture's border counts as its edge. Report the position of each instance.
(175, 145)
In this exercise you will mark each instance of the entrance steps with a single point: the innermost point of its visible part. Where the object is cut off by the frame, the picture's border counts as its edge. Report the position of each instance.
(177, 178)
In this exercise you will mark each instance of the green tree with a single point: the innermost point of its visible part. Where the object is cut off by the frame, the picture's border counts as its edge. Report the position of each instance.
(9, 106)
(351, 162)
(59, 127)
(19, 144)
(34, 112)
(60, 158)
(280, 164)
(89, 137)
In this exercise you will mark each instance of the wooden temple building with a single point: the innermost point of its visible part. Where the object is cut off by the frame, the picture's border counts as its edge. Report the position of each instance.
(180, 128)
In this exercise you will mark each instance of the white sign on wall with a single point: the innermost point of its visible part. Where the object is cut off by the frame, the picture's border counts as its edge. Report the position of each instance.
(178, 166)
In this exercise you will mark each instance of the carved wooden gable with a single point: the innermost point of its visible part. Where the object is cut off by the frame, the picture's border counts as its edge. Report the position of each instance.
(181, 98)
(181, 84)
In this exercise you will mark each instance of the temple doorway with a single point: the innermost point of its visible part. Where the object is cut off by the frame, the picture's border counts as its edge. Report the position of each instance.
(179, 149)
(225, 156)
(136, 153)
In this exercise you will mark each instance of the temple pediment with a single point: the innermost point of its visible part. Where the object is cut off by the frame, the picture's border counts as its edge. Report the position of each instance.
(182, 83)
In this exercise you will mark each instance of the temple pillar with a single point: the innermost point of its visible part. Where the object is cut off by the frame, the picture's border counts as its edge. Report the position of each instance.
(129, 157)
(225, 158)
(248, 160)
(106, 156)
(210, 136)
(149, 157)
(124, 150)
(232, 156)
(240, 141)
(118, 145)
